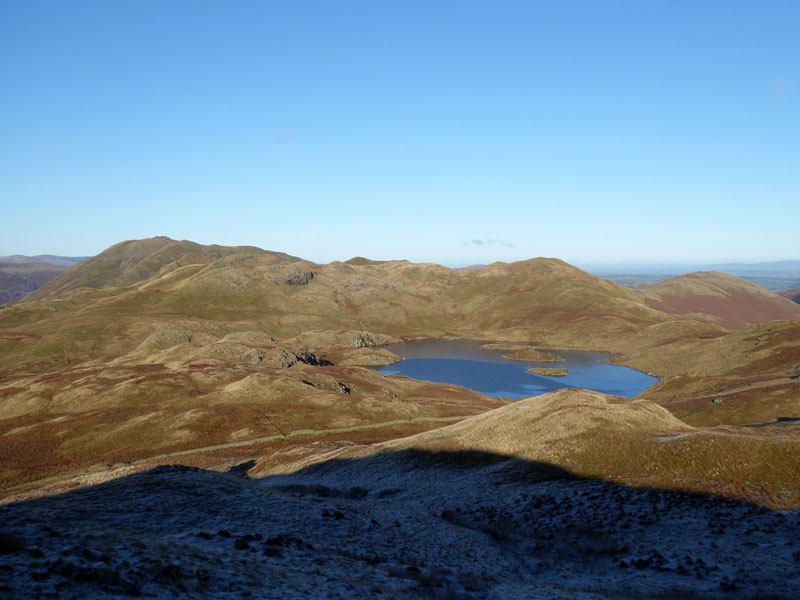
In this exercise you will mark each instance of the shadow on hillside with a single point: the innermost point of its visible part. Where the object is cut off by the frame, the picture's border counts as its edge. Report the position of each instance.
(504, 469)
(495, 470)
(441, 519)
(409, 464)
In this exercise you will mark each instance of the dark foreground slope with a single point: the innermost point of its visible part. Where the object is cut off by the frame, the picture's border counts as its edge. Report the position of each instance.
(502, 505)
(398, 525)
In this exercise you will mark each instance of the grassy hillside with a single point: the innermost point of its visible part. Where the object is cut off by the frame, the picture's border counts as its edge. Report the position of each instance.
(793, 294)
(82, 315)
(181, 391)
(158, 350)
(718, 299)
(18, 279)
(635, 442)
(746, 377)
(129, 262)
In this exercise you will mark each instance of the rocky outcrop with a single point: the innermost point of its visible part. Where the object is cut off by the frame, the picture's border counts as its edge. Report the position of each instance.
(291, 274)
(269, 357)
(280, 358)
(345, 338)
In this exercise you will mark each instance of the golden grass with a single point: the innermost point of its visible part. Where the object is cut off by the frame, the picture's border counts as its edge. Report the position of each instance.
(180, 346)
(77, 417)
(632, 442)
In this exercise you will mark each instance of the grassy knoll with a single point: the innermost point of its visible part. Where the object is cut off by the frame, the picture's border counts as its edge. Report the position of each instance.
(633, 442)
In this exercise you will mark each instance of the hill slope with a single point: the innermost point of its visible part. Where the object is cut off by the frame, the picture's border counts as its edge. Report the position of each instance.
(743, 378)
(793, 294)
(424, 527)
(718, 299)
(523, 501)
(591, 434)
(157, 348)
(133, 261)
(84, 314)
(18, 279)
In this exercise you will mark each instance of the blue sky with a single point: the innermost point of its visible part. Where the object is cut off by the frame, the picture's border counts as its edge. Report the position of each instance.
(453, 132)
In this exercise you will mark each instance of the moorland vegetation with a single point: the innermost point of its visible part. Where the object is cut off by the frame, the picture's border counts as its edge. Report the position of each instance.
(161, 351)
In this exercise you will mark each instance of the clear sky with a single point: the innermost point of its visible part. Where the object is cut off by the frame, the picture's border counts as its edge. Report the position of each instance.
(455, 132)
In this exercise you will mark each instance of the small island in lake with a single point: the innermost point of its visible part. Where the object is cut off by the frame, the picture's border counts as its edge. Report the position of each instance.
(548, 372)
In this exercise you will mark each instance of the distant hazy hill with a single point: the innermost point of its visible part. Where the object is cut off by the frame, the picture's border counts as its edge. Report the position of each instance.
(793, 294)
(59, 261)
(774, 276)
(17, 279)
(718, 299)
(781, 266)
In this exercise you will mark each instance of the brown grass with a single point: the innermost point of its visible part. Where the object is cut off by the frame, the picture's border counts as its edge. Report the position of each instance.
(631, 442)
(141, 363)
(94, 415)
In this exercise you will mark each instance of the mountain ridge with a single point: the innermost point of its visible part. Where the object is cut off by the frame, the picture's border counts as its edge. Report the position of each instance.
(205, 352)
(50, 259)
(540, 300)
(132, 261)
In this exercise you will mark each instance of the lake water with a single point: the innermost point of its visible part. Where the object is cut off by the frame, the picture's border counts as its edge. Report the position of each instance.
(465, 363)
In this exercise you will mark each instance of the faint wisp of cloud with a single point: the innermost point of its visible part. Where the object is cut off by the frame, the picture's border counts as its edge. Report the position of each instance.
(287, 134)
(786, 87)
(488, 242)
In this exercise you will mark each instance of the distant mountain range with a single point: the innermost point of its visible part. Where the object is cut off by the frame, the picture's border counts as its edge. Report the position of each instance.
(775, 276)
(781, 266)
(50, 259)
